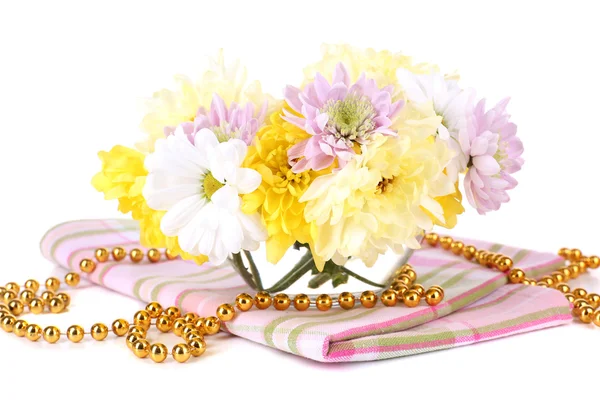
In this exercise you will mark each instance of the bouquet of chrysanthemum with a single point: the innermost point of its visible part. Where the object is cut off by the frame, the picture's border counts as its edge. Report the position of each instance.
(361, 158)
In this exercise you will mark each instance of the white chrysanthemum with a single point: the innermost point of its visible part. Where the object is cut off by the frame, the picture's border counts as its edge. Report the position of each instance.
(169, 108)
(198, 184)
(382, 199)
(448, 101)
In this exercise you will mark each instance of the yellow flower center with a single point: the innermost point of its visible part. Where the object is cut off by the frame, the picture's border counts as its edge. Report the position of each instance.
(281, 169)
(385, 186)
(211, 185)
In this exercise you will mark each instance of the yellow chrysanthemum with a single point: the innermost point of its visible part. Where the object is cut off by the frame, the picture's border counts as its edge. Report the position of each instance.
(377, 201)
(277, 198)
(378, 65)
(169, 108)
(123, 177)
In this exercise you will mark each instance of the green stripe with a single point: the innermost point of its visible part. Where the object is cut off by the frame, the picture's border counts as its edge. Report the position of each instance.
(138, 284)
(160, 286)
(435, 272)
(56, 244)
(500, 300)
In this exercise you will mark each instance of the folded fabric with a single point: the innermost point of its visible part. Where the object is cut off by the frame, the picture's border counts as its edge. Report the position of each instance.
(479, 304)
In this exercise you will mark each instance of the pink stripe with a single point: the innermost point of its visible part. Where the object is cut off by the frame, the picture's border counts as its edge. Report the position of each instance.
(347, 353)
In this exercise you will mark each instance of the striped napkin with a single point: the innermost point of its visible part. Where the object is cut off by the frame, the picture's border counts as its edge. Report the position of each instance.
(479, 304)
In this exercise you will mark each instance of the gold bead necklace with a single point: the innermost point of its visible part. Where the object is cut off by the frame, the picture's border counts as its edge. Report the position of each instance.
(192, 328)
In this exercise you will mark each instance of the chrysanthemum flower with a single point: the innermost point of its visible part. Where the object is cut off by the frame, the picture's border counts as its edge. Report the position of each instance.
(198, 185)
(169, 108)
(277, 197)
(382, 199)
(495, 154)
(233, 122)
(378, 65)
(339, 116)
(453, 104)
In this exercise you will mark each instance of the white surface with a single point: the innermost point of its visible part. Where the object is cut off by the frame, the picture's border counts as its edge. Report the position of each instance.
(70, 77)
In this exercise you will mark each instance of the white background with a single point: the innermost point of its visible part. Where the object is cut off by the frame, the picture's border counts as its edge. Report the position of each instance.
(72, 75)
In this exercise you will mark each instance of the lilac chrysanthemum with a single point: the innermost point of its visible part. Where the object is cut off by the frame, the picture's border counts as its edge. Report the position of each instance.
(235, 122)
(337, 116)
(495, 154)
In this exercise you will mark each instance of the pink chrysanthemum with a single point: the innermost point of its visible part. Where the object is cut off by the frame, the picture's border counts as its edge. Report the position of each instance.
(338, 116)
(226, 123)
(495, 154)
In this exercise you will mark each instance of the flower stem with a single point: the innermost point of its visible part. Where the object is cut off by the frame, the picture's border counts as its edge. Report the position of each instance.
(238, 264)
(303, 266)
(254, 270)
(361, 278)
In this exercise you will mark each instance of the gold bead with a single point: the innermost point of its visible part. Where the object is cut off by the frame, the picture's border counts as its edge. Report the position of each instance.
(200, 325)
(52, 284)
(505, 263)
(530, 282)
(564, 252)
(580, 293)
(173, 313)
(187, 329)
(399, 287)
(563, 287)
(594, 299)
(20, 327)
(446, 242)
(419, 288)
(346, 300)
(142, 318)
(457, 247)
(8, 323)
(131, 338)
(578, 304)
(136, 255)
(32, 285)
(516, 275)
(141, 348)
(469, 252)
(323, 302)
(13, 287)
(181, 352)
(8, 296)
(154, 255)
(72, 279)
(154, 309)
(170, 254)
(119, 253)
(158, 352)
(281, 301)
(192, 334)
(212, 325)
(574, 255)
(190, 317)
(434, 296)
(411, 274)
(56, 305)
(178, 326)
(101, 255)
(262, 300)
(403, 279)
(558, 277)
(368, 299)
(244, 301)
(566, 273)
(596, 318)
(120, 327)
(432, 239)
(99, 331)
(570, 297)
(164, 323)
(389, 298)
(86, 265)
(585, 314)
(411, 298)
(33, 333)
(575, 270)
(197, 347)
(65, 298)
(16, 307)
(51, 334)
(594, 262)
(47, 296)
(547, 280)
(75, 333)
(542, 284)
(138, 329)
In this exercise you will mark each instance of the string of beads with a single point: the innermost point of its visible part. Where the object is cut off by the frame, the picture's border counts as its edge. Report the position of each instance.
(193, 329)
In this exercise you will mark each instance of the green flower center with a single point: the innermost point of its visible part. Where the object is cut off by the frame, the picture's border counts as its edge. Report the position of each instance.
(351, 118)
(211, 185)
